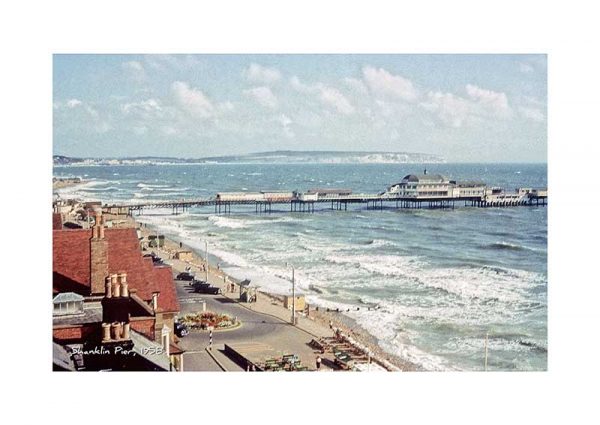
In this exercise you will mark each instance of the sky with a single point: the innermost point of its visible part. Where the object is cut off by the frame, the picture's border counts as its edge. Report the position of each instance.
(466, 108)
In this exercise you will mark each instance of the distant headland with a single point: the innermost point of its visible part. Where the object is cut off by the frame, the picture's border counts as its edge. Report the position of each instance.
(284, 157)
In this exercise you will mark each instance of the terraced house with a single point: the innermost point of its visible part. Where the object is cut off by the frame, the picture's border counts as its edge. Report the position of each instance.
(113, 308)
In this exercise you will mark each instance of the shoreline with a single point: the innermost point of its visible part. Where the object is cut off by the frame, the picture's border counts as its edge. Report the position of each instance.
(318, 321)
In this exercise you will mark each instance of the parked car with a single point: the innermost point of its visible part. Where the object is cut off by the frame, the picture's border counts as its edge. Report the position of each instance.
(214, 290)
(185, 276)
(205, 288)
(181, 329)
(200, 286)
(156, 260)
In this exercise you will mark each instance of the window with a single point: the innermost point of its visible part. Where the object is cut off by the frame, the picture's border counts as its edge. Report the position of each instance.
(67, 303)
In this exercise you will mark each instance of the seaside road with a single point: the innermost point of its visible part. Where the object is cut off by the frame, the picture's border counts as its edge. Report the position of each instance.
(256, 327)
(199, 361)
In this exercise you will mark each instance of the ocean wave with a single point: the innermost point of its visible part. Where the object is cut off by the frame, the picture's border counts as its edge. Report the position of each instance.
(376, 243)
(505, 246)
(227, 222)
(102, 189)
(474, 283)
(152, 185)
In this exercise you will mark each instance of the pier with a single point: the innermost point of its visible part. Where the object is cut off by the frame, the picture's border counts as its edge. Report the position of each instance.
(429, 191)
(368, 202)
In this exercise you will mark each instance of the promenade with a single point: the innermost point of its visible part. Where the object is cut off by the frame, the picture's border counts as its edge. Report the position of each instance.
(263, 321)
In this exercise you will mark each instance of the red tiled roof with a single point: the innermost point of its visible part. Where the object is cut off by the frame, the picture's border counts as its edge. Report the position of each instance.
(56, 221)
(71, 265)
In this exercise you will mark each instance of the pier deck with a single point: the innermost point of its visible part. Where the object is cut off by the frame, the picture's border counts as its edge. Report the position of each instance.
(372, 202)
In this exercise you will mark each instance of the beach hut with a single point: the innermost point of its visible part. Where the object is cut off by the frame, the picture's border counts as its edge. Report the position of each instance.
(247, 292)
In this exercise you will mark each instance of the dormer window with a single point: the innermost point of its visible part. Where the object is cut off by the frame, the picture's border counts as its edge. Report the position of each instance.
(67, 303)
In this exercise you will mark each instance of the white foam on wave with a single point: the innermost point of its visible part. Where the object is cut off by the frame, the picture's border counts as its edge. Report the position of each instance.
(227, 222)
(90, 190)
(506, 285)
(146, 185)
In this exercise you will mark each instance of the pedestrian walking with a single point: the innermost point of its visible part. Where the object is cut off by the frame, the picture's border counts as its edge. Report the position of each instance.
(318, 363)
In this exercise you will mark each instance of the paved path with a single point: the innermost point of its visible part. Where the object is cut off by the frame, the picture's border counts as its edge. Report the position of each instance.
(199, 361)
(256, 327)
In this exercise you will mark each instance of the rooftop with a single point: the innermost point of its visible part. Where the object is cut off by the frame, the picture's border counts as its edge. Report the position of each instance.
(71, 265)
(421, 178)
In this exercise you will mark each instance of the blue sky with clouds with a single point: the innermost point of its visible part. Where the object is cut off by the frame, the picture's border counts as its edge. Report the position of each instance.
(488, 108)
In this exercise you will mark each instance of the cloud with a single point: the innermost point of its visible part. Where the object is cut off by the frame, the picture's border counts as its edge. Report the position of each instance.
(150, 105)
(301, 87)
(263, 95)
(489, 101)
(356, 85)
(285, 122)
(384, 84)
(450, 109)
(135, 70)
(260, 74)
(192, 100)
(73, 103)
(525, 68)
(533, 114)
(335, 99)
(456, 111)
(327, 95)
(172, 63)
(169, 130)
(140, 130)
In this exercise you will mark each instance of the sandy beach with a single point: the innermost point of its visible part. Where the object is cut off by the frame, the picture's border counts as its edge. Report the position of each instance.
(316, 324)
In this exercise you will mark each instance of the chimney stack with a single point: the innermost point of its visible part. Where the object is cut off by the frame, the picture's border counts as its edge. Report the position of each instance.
(165, 338)
(123, 283)
(98, 257)
(155, 301)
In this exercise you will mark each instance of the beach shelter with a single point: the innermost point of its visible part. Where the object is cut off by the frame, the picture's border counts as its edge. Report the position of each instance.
(247, 292)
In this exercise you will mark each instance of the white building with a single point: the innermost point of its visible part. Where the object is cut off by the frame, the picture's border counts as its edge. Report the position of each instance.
(468, 189)
(421, 186)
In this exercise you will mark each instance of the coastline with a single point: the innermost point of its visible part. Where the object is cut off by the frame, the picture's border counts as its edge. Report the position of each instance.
(318, 322)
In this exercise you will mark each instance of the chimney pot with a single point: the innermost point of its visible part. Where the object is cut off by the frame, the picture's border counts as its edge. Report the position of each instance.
(114, 281)
(117, 291)
(124, 286)
(126, 329)
(105, 332)
(113, 331)
(108, 288)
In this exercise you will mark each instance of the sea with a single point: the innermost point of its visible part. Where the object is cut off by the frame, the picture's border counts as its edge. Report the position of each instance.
(430, 285)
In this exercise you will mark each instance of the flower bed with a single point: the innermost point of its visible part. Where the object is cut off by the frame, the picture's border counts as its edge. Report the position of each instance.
(207, 319)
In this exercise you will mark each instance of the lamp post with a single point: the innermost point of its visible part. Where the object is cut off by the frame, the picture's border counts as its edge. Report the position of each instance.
(206, 258)
(485, 362)
(293, 295)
